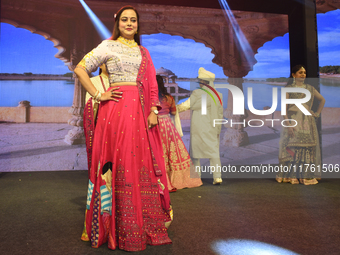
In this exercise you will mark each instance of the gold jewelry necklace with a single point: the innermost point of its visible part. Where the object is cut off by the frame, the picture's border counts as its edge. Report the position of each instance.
(127, 42)
(302, 86)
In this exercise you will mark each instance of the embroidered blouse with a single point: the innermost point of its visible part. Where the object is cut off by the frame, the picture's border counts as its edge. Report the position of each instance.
(122, 58)
(168, 105)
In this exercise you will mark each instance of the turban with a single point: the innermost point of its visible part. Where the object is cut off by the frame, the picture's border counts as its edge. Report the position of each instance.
(205, 75)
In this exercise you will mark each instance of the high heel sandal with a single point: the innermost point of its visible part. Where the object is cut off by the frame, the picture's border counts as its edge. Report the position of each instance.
(279, 179)
(294, 181)
(309, 181)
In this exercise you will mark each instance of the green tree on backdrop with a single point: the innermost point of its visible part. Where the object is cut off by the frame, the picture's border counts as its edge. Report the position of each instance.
(330, 69)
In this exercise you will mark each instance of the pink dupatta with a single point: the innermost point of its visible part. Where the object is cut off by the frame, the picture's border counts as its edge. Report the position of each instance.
(148, 94)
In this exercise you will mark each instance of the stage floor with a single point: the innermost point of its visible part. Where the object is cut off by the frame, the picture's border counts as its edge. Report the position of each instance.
(43, 213)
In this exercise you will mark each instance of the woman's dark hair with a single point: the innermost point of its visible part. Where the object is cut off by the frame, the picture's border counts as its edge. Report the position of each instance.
(162, 92)
(295, 69)
(116, 33)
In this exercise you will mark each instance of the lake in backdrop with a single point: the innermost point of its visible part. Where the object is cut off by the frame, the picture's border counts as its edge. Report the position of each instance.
(60, 93)
(38, 92)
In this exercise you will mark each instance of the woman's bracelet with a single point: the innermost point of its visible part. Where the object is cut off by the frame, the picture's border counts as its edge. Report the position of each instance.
(97, 96)
(317, 115)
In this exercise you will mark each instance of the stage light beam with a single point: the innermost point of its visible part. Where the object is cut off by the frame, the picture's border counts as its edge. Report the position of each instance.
(242, 40)
(103, 32)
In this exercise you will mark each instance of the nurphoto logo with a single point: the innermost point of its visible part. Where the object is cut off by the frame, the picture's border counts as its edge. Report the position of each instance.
(238, 104)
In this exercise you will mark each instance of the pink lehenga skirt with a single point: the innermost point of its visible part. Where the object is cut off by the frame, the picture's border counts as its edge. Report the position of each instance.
(124, 206)
(179, 167)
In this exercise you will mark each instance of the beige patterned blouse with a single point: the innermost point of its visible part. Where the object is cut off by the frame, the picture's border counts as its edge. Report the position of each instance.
(122, 58)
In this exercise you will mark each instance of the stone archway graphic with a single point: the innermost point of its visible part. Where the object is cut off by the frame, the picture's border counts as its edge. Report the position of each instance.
(66, 24)
(56, 42)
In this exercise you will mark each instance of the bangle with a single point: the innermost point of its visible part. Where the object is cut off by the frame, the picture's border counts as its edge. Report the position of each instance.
(95, 94)
(317, 115)
(98, 97)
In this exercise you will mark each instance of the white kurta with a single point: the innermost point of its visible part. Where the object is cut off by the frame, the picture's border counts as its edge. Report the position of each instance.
(98, 84)
(204, 139)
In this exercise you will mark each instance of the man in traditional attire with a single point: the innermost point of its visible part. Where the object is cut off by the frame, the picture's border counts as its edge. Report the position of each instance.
(204, 137)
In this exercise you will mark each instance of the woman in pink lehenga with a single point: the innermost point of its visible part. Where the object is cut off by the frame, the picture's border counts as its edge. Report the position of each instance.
(128, 203)
(179, 167)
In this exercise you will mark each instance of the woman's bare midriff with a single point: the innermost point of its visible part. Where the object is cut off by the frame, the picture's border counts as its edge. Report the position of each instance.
(123, 84)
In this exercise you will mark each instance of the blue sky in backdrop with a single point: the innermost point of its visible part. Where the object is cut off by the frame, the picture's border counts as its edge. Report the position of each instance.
(21, 51)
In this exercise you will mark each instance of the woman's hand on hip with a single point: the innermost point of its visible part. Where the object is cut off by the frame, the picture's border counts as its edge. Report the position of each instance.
(291, 131)
(112, 94)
